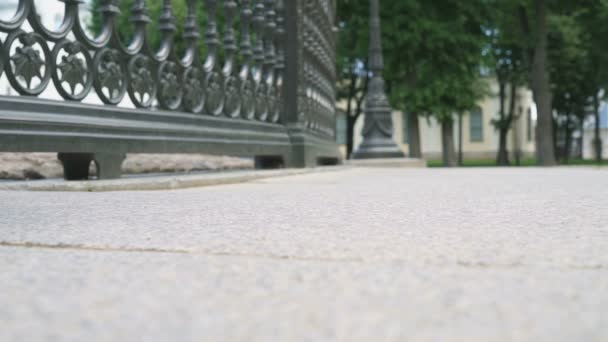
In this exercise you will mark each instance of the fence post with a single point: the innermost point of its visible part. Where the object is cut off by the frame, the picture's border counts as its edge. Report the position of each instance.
(309, 112)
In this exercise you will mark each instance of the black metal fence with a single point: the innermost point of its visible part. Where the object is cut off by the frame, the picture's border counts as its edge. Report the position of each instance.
(264, 87)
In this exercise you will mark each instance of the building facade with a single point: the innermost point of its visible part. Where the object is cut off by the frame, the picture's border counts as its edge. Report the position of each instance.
(479, 137)
(589, 134)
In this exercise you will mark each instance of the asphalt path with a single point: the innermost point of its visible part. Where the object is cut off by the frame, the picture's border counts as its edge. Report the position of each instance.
(353, 255)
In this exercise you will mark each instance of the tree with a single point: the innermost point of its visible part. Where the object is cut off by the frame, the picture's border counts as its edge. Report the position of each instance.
(426, 47)
(569, 71)
(352, 62)
(507, 61)
(591, 16)
(456, 64)
(537, 47)
(578, 55)
(435, 63)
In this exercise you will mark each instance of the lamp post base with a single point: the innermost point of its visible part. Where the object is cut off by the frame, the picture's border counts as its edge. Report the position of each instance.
(376, 150)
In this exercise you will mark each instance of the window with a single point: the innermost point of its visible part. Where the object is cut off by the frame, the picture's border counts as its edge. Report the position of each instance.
(529, 125)
(406, 128)
(341, 129)
(476, 125)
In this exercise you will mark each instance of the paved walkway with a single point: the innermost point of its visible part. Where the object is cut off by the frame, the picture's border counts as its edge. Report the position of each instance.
(354, 255)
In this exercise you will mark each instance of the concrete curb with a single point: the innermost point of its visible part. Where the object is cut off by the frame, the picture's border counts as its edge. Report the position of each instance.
(169, 182)
(389, 163)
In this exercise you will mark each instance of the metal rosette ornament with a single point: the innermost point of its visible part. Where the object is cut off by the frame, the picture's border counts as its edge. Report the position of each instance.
(232, 102)
(28, 66)
(274, 102)
(193, 99)
(261, 101)
(170, 90)
(72, 65)
(214, 93)
(247, 94)
(142, 84)
(110, 79)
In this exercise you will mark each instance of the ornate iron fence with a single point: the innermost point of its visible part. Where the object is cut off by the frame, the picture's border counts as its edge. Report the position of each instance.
(263, 88)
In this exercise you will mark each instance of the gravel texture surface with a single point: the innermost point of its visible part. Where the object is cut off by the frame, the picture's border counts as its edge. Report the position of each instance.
(354, 255)
(46, 165)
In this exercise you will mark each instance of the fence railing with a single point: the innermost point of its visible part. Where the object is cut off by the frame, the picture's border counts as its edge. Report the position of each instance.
(257, 80)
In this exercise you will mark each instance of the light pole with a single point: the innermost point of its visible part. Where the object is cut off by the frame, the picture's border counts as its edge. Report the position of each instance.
(378, 129)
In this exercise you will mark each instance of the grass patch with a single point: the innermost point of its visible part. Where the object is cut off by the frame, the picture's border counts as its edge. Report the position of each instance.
(527, 162)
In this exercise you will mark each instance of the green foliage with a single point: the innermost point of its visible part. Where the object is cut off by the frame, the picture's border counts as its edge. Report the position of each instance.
(353, 24)
(432, 51)
(435, 55)
(570, 64)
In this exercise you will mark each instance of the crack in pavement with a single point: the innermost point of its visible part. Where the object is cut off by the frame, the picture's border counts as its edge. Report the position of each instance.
(457, 263)
(62, 246)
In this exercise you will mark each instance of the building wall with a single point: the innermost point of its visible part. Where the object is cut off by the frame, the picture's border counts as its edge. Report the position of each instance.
(589, 134)
(430, 130)
(589, 148)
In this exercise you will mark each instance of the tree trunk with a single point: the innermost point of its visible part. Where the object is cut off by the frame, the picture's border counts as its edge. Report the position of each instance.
(413, 127)
(502, 158)
(597, 139)
(568, 139)
(447, 143)
(545, 149)
(350, 135)
(352, 92)
(512, 119)
(459, 139)
(503, 154)
(555, 140)
(352, 120)
(415, 146)
(581, 127)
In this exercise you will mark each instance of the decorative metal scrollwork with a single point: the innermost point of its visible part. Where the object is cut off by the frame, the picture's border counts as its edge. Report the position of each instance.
(170, 90)
(261, 102)
(241, 74)
(274, 95)
(261, 109)
(247, 94)
(213, 79)
(193, 100)
(73, 66)
(28, 63)
(214, 93)
(110, 81)
(20, 16)
(69, 18)
(232, 100)
(246, 85)
(316, 96)
(142, 85)
(1, 58)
